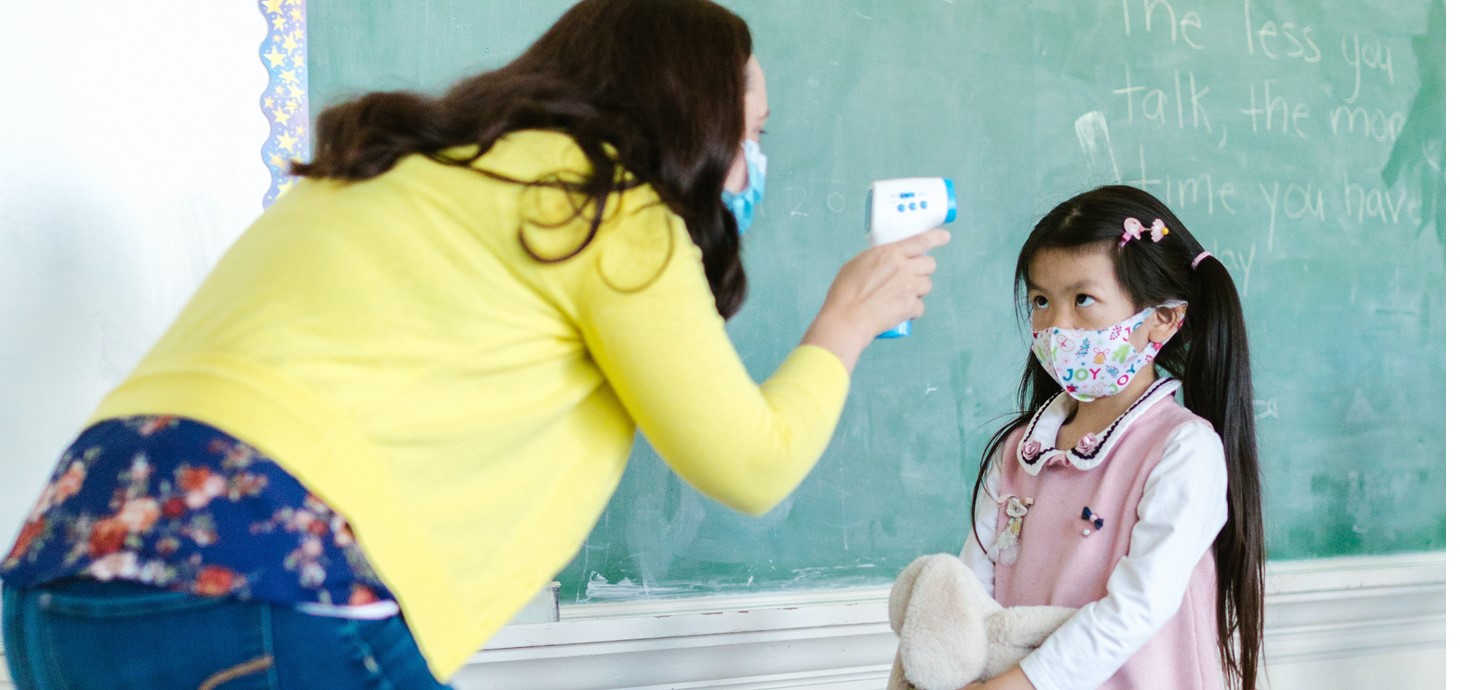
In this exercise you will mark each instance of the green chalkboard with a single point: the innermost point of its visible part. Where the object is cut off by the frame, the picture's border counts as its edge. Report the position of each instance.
(1302, 141)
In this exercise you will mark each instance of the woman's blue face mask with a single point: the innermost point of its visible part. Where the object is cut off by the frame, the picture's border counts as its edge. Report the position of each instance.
(743, 203)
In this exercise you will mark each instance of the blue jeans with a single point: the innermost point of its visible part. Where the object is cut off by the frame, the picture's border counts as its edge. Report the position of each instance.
(79, 634)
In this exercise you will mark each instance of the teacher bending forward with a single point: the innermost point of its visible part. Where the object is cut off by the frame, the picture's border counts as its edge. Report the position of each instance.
(400, 401)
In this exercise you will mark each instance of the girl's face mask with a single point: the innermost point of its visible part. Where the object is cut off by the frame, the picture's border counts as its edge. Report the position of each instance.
(1099, 363)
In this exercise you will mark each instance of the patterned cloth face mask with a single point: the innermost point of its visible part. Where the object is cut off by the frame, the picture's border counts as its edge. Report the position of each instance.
(1099, 363)
(743, 203)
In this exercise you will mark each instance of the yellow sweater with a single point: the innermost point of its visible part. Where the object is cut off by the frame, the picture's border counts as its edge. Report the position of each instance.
(467, 408)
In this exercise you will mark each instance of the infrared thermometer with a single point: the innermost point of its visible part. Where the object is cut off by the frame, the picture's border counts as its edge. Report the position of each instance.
(898, 209)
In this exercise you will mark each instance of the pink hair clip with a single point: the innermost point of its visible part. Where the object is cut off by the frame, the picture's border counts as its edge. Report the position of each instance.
(1159, 230)
(1133, 230)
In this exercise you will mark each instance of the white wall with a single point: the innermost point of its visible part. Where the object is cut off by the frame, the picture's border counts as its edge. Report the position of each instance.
(131, 136)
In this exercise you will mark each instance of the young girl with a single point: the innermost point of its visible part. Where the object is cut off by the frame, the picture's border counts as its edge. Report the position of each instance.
(1108, 495)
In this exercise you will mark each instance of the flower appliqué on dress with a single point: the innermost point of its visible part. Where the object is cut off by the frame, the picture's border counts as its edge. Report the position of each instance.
(1087, 445)
(1030, 451)
(1006, 545)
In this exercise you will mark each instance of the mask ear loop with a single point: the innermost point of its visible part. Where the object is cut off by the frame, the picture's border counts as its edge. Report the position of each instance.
(1171, 304)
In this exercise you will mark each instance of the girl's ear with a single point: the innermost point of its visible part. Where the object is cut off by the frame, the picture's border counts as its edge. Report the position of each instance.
(1166, 321)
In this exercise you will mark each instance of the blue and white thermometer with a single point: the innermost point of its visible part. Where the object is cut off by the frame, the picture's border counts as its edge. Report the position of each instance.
(898, 209)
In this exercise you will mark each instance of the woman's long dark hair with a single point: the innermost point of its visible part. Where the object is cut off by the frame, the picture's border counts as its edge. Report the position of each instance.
(661, 81)
(1209, 354)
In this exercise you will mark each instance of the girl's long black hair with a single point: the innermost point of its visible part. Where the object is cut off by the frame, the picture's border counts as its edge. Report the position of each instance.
(660, 81)
(1209, 354)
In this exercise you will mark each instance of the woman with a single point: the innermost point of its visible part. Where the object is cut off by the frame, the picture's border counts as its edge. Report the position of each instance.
(399, 403)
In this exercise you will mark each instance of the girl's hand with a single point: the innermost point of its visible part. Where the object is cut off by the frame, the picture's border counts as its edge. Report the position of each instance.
(876, 290)
(1013, 679)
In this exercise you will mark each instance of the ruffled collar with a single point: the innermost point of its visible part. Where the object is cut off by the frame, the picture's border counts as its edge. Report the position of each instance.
(1037, 446)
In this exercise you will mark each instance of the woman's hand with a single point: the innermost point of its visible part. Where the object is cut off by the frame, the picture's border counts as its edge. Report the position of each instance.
(876, 290)
(1013, 679)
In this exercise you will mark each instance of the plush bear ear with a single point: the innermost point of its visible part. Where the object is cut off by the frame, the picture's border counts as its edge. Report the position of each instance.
(979, 599)
(897, 680)
(897, 599)
(944, 643)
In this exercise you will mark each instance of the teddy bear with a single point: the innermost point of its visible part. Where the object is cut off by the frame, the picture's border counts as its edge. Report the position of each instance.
(952, 633)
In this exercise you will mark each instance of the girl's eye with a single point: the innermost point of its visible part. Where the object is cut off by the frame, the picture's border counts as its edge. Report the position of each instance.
(1038, 302)
(1084, 300)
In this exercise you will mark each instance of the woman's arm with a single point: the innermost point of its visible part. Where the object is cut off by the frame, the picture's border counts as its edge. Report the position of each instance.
(664, 349)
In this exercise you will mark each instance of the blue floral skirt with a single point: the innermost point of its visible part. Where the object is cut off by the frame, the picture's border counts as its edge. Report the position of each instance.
(180, 505)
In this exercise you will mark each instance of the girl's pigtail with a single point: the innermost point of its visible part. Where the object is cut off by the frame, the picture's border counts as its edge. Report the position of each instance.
(1218, 387)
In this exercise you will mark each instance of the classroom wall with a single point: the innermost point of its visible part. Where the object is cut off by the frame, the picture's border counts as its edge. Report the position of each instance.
(131, 160)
